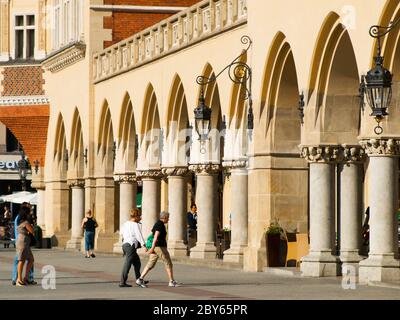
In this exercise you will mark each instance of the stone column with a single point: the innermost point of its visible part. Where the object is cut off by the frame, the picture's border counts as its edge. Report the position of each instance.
(177, 208)
(151, 198)
(321, 262)
(381, 264)
(4, 31)
(239, 210)
(78, 212)
(127, 202)
(206, 191)
(351, 205)
(40, 213)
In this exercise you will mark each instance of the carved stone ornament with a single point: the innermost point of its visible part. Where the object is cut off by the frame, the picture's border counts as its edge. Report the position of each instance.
(151, 173)
(353, 154)
(205, 168)
(76, 183)
(126, 178)
(65, 57)
(322, 154)
(175, 171)
(235, 164)
(381, 147)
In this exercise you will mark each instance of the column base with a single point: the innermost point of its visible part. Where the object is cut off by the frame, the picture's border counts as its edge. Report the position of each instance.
(320, 264)
(74, 244)
(117, 248)
(204, 251)
(380, 268)
(105, 242)
(234, 254)
(351, 259)
(254, 259)
(177, 248)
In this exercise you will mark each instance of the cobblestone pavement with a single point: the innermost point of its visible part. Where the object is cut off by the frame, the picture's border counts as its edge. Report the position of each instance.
(98, 278)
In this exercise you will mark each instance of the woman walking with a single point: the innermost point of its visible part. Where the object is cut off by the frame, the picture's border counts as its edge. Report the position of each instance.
(89, 225)
(132, 239)
(24, 252)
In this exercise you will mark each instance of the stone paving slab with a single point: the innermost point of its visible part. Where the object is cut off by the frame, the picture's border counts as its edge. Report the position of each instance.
(98, 278)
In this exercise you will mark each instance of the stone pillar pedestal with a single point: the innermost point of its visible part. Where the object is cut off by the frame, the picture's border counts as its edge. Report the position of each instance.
(239, 210)
(320, 262)
(177, 207)
(151, 198)
(351, 206)
(381, 264)
(78, 212)
(127, 202)
(206, 191)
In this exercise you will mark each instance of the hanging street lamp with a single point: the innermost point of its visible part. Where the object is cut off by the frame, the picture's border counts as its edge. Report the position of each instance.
(377, 84)
(239, 73)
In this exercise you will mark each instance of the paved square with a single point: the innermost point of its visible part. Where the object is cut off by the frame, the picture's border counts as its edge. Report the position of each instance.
(98, 278)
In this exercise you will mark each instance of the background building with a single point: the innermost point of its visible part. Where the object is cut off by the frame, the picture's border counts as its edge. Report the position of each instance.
(111, 105)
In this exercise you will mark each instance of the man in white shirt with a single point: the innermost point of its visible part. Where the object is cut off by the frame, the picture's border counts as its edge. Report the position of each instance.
(132, 239)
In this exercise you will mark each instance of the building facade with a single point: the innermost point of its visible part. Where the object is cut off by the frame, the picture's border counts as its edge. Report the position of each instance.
(120, 112)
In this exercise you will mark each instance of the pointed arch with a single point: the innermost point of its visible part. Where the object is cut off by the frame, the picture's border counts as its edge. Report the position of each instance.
(60, 147)
(334, 83)
(105, 142)
(390, 42)
(151, 128)
(280, 92)
(127, 131)
(76, 145)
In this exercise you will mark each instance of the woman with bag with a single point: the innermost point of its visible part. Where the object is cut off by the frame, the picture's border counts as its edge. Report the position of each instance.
(89, 225)
(24, 252)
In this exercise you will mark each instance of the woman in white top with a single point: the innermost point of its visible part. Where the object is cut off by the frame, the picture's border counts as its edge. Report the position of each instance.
(132, 239)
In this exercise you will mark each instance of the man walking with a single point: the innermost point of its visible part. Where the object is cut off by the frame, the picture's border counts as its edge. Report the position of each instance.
(159, 250)
(132, 239)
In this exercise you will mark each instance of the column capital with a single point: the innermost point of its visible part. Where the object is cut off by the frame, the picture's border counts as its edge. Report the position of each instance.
(321, 153)
(175, 171)
(205, 168)
(150, 174)
(125, 178)
(353, 154)
(76, 183)
(235, 164)
(381, 147)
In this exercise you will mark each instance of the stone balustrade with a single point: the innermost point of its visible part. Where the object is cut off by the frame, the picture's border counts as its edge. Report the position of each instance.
(199, 22)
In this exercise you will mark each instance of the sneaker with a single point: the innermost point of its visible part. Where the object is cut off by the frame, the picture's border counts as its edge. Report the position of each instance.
(14, 283)
(92, 255)
(87, 256)
(30, 282)
(124, 285)
(141, 283)
(173, 283)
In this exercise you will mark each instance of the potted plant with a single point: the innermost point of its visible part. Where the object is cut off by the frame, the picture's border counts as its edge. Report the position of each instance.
(274, 234)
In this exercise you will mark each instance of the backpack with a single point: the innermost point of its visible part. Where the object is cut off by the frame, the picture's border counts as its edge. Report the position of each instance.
(149, 241)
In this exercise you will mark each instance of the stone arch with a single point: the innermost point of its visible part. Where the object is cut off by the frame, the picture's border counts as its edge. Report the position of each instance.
(280, 97)
(177, 122)
(390, 42)
(127, 134)
(105, 143)
(151, 135)
(334, 83)
(60, 149)
(76, 146)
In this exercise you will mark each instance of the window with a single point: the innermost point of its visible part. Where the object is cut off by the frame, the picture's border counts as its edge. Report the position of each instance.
(24, 37)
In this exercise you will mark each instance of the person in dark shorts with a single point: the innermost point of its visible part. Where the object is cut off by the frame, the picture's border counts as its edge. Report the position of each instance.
(89, 225)
(159, 250)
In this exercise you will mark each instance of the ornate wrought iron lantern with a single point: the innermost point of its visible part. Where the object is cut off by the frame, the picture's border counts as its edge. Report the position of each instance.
(240, 73)
(377, 84)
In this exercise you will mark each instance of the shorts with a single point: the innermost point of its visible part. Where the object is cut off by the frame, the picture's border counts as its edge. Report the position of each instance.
(159, 252)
